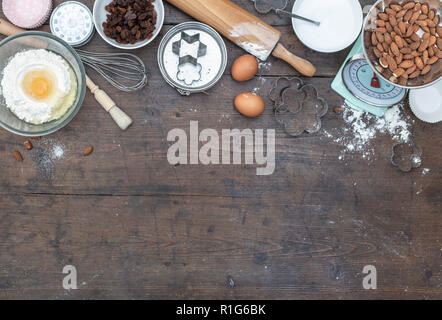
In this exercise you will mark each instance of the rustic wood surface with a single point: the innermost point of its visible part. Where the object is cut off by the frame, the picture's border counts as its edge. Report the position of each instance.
(136, 227)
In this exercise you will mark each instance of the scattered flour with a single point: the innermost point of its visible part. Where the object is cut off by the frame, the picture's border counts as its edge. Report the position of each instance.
(362, 128)
(45, 157)
(265, 66)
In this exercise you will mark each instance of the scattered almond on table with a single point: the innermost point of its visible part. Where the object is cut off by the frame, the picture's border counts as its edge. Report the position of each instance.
(17, 155)
(28, 145)
(88, 151)
(399, 48)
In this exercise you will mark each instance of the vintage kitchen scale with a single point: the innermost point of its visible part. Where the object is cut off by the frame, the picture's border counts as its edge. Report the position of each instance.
(360, 86)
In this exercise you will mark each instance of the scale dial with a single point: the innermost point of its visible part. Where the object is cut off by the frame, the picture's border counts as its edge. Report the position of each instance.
(364, 84)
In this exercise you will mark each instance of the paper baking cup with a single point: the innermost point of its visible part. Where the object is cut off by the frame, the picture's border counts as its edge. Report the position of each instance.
(27, 14)
(426, 103)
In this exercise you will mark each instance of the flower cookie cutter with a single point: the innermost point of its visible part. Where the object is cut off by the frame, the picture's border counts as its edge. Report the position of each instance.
(189, 58)
(279, 6)
(406, 155)
(297, 106)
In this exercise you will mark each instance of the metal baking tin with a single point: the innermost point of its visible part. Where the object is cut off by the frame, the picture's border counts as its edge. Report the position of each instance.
(72, 21)
(181, 86)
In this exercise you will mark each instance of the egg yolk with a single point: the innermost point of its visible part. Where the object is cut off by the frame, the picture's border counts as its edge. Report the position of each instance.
(38, 84)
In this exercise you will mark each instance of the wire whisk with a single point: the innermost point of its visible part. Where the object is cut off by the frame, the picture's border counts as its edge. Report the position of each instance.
(124, 71)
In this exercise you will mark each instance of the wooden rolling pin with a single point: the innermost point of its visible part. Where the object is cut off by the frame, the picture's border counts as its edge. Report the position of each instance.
(244, 29)
(120, 118)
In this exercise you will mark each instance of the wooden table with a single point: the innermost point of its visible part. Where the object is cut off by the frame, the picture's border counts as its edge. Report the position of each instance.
(135, 226)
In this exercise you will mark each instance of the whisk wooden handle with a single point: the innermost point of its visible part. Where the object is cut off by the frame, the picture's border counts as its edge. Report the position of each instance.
(122, 119)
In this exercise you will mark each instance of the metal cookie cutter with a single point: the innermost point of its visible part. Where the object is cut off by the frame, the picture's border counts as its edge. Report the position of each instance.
(297, 106)
(406, 156)
(189, 59)
(265, 6)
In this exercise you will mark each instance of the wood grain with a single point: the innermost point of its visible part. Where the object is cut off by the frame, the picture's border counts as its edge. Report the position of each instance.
(138, 228)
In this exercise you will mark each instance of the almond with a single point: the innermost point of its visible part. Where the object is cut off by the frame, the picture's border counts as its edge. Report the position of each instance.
(407, 16)
(396, 7)
(401, 13)
(439, 43)
(377, 53)
(402, 27)
(409, 5)
(421, 23)
(390, 12)
(425, 57)
(381, 30)
(392, 65)
(398, 72)
(88, 151)
(432, 41)
(383, 16)
(439, 31)
(426, 35)
(414, 45)
(430, 23)
(433, 60)
(388, 39)
(426, 70)
(431, 14)
(406, 64)
(423, 45)
(28, 145)
(380, 23)
(410, 31)
(405, 50)
(402, 81)
(414, 18)
(380, 37)
(417, 7)
(430, 51)
(17, 156)
(383, 62)
(424, 8)
(410, 70)
(399, 41)
(418, 62)
(392, 19)
(414, 74)
(374, 40)
(395, 49)
(393, 79)
(338, 110)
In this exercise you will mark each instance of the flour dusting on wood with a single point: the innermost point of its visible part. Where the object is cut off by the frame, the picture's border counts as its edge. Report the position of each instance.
(361, 128)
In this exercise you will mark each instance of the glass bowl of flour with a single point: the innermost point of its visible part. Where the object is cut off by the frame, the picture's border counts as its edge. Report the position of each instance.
(42, 84)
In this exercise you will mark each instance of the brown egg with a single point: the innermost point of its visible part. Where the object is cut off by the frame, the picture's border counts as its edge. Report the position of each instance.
(244, 68)
(249, 104)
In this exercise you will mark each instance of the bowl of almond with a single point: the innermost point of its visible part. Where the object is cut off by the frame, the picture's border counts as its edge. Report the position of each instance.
(403, 42)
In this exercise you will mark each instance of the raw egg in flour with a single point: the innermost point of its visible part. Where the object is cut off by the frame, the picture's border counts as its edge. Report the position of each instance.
(249, 104)
(40, 85)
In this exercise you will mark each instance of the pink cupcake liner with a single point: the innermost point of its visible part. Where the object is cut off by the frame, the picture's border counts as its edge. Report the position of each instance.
(27, 14)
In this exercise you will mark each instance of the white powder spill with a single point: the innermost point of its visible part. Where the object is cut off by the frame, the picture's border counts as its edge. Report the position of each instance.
(265, 66)
(49, 151)
(361, 128)
(425, 171)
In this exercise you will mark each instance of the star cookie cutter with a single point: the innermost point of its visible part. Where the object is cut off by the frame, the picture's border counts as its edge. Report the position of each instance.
(406, 155)
(189, 59)
(297, 106)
